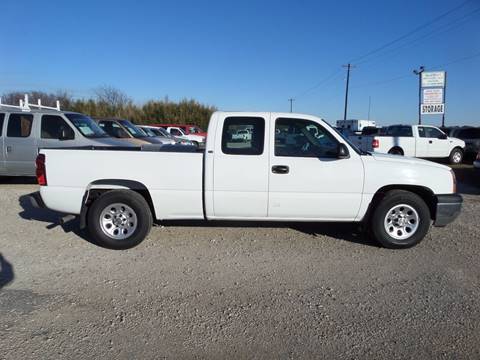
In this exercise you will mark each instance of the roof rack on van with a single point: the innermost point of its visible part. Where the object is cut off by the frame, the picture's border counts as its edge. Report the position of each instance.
(25, 105)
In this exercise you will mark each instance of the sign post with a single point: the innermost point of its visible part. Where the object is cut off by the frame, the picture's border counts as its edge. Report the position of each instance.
(433, 84)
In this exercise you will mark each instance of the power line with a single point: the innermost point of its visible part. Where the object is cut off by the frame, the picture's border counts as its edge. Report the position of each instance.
(317, 85)
(418, 28)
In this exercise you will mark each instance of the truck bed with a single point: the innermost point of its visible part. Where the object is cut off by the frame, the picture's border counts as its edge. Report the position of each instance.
(174, 177)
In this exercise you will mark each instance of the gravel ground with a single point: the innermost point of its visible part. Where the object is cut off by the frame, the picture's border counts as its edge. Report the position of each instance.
(235, 291)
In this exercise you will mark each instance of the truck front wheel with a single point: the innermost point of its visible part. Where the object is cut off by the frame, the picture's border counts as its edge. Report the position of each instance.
(456, 156)
(401, 220)
(119, 219)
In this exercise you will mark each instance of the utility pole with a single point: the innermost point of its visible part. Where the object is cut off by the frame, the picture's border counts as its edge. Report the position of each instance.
(369, 105)
(348, 66)
(291, 104)
(419, 73)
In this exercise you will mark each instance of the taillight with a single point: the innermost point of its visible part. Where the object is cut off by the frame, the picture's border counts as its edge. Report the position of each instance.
(454, 178)
(41, 172)
(375, 143)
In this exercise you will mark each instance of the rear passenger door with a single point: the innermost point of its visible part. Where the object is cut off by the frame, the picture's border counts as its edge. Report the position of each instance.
(2, 149)
(240, 169)
(20, 145)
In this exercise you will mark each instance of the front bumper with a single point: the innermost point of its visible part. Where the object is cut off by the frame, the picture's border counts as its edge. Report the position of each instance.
(448, 209)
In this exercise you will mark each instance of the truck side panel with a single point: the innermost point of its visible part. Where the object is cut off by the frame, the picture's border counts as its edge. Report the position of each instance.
(174, 182)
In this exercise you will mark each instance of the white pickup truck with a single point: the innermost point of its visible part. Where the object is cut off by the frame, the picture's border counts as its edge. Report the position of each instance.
(423, 141)
(294, 167)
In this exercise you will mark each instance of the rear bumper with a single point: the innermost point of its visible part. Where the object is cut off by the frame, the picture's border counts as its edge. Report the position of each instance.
(448, 209)
(36, 200)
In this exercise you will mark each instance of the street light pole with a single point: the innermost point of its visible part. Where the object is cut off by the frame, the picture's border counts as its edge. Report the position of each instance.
(419, 73)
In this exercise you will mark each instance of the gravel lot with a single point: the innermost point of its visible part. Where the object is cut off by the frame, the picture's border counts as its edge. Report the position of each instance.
(236, 290)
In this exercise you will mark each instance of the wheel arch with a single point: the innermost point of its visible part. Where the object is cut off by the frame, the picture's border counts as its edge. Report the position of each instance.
(425, 193)
(98, 187)
(396, 147)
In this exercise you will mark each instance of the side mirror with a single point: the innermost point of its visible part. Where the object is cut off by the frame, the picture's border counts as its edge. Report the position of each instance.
(443, 137)
(343, 152)
(66, 134)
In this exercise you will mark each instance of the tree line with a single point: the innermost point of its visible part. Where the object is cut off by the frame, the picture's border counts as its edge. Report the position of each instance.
(110, 102)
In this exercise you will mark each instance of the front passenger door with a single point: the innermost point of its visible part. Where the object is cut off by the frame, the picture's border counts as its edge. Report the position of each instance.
(307, 180)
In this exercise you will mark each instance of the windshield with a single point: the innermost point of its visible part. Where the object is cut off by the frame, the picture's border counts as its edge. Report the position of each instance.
(163, 132)
(344, 137)
(148, 131)
(132, 129)
(195, 130)
(86, 126)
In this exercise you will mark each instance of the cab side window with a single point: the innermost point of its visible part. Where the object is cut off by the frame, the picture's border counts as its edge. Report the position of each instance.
(2, 117)
(433, 133)
(303, 138)
(243, 135)
(19, 125)
(53, 126)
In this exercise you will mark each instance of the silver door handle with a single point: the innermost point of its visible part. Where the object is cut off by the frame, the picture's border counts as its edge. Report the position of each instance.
(9, 149)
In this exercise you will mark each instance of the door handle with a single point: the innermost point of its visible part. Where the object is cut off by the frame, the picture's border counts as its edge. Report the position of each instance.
(9, 149)
(280, 169)
(430, 141)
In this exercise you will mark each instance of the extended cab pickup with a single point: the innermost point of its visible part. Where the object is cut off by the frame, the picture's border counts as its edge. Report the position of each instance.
(293, 167)
(423, 141)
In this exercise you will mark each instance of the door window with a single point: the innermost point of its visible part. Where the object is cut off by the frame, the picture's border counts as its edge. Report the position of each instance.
(19, 125)
(243, 135)
(2, 116)
(429, 132)
(176, 132)
(303, 138)
(52, 127)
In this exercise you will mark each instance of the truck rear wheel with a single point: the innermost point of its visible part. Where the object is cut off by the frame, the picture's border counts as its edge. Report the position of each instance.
(396, 151)
(456, 156)
(119, 219)
(401, 220)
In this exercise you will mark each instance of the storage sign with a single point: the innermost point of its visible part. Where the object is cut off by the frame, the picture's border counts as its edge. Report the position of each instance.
(432, 109)
(433, 79)
(433, 96)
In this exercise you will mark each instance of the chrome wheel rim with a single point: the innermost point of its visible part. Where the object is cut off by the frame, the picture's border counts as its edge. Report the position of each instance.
(457, 157)
(401, 222)
(118, 221)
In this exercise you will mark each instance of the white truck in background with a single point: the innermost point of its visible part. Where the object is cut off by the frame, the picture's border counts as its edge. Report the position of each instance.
(355, 125)
(293, 167)
(422, 141)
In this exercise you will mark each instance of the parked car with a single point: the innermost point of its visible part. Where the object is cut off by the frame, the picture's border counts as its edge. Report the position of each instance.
(187, 129)
(23, 130)
(124, 129)
(177, 131)
(423, 141)
(158, 131)
(305, 178)
(471, 136)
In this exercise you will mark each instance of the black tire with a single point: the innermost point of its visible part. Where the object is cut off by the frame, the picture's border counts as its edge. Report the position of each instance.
(397, 198)
(396, 151)
(456, 156)
(135, 202)
(195, 143)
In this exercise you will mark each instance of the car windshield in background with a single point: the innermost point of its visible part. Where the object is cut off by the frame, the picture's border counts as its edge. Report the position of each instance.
(132, 129)
(149, 132)
(86, 126)
(471, 133)
(194, 130)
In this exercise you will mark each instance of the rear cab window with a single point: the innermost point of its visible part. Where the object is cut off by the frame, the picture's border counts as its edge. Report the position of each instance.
(19, 125)
(243, 135)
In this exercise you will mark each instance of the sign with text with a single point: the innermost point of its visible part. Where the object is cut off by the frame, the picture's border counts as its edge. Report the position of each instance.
(433, 79)
(432, 109)
(433, 96)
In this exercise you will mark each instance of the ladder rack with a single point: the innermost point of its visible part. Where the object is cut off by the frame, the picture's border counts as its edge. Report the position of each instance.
(25, 105)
